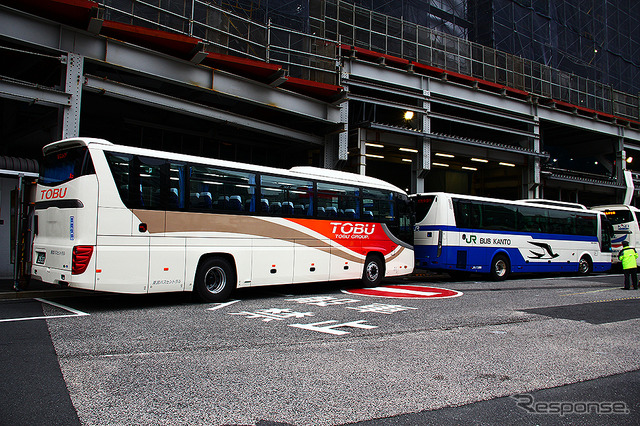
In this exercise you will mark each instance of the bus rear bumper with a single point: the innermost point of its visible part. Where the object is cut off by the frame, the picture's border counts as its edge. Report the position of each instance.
(62, 277)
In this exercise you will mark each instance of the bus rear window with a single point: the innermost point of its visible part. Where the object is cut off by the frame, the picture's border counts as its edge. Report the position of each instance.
(619, 216)
(422, 206)
(63, 166)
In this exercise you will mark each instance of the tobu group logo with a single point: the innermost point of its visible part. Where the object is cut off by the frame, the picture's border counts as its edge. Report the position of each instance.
(348, 230)
(51, 194)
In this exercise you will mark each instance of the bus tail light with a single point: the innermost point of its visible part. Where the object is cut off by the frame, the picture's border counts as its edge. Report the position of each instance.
(80, 259)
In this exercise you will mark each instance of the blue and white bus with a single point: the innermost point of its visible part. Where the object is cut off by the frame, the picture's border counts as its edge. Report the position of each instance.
(460, 234)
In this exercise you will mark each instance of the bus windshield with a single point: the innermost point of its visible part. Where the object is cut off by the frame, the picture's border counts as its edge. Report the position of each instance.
(63, 166)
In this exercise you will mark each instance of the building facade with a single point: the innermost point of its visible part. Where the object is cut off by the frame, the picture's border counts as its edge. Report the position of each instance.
(512, 99)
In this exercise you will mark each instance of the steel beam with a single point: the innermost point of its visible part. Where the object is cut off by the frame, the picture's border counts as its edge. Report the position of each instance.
(61, 39)
(162, 101)
(481, 101)
(22, 91)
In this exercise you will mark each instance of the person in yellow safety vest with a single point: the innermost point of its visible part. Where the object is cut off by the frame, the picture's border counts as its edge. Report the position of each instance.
(628, 256)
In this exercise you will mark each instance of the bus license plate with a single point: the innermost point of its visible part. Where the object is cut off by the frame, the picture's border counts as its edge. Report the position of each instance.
(41, 256)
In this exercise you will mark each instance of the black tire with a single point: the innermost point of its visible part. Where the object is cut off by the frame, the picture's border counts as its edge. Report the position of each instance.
(373, 272)
(500, 268)
(215, 280)
(585, 266)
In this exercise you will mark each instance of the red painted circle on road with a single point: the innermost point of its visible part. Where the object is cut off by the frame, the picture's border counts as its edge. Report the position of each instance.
(406, 292)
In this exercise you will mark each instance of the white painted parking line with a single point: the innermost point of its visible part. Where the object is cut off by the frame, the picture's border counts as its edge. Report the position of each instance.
(74, 313)
(222, 305)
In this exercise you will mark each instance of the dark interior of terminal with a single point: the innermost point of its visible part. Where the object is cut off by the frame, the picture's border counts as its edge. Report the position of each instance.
(500, 98)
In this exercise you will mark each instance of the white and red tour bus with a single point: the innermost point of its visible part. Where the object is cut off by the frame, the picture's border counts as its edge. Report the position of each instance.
(130, 220)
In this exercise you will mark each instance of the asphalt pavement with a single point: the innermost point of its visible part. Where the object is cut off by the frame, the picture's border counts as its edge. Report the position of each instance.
(527, 351)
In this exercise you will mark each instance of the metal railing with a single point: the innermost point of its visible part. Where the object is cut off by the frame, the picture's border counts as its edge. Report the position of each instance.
(315, 56)
(398, 37)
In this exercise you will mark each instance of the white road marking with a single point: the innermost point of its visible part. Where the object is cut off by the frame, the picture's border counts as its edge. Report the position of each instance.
(222, 305)
(74, 313)
(402, 290)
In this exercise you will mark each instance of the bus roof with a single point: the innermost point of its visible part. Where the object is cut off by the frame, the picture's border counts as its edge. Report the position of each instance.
(554, 203)
(559, 206)
(615, 206)
(71, 143)
(298, 171)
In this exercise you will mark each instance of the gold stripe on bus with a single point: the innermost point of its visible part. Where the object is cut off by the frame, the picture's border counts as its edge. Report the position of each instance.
(174, 222)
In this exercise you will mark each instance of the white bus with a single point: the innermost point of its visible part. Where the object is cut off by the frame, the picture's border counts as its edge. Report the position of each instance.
(460, 234)
(130, 220)
(625, 220)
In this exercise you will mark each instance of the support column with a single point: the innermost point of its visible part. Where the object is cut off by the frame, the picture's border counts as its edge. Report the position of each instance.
(532, 181)
(423, 159)
(422, 165)
(73, 86)
(623, 176)
(362, 157)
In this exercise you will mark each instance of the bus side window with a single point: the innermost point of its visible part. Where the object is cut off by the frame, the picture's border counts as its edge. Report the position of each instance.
(177, 180)
(378, 205)
(150, 174)
(462, 213)
(286, 197)
(120, 165)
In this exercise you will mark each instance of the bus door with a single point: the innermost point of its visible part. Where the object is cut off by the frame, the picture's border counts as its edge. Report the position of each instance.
(467, 216)
(606, 234)
(122, 251)
(167, 254)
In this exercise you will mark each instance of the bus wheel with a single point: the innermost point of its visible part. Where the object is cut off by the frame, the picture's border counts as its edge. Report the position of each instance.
(585, 266)
(215, 280)
(500, 268)
(373, 270)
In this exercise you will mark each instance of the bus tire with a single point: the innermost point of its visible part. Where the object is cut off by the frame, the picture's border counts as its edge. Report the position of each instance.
(373, 272)
(500, 268)
(585, 266)
(215, 280)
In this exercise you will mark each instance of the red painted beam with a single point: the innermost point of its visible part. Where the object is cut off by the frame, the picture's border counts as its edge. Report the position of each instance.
(250, 68)
(173, 44)
(76, 13)
(322, 91)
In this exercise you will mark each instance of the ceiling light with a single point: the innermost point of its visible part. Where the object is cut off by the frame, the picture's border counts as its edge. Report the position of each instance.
(408, 115)
(408, 150)
(507, 164)
(374, 145)
(407, 160)
(473, 169)
(374, 156)
(440, 164)
(479, 160)
(440, 154)
(629, 160)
